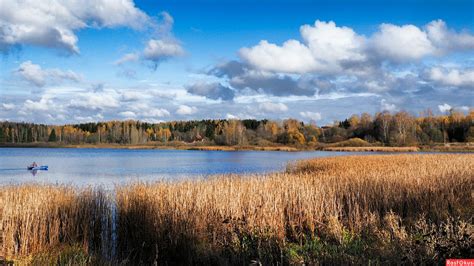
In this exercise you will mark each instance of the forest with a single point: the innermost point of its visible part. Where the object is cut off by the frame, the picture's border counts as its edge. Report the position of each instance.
(384, 128)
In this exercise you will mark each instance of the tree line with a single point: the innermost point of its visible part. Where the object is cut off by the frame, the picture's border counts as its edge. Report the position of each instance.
(385, 128)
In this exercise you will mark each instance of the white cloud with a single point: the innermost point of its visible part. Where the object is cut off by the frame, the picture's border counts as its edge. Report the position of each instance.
(327, 48)
(156, 112)
(7, 106)
(39, 77)
(162, 46)
(292, 57)
(452, 77)
(130, 57)
(53, 23)
(128, 114)
(311, 115)
(444, 108)
(90, 118)
(158, 50)
(106, 99)
(273, 107)
(402, 43)
(45, 104)
(447, 40)
(333, 45)
(386, 106)
(186, 110)
(231, 116)
(133, 96)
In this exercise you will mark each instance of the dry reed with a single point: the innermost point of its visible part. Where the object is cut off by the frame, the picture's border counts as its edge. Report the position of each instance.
(256, 217)
(34, 218)
(355, 209)
(373, 149)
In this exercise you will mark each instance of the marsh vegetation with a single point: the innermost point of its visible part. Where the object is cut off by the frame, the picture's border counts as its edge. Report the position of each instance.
(378, 208)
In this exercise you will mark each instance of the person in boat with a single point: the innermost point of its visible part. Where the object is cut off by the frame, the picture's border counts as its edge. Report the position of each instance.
(33, 165)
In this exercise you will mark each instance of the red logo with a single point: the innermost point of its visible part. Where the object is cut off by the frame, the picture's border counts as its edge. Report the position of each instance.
(460, 262)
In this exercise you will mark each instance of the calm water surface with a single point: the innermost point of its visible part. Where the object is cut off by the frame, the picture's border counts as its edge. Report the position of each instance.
(114, 166)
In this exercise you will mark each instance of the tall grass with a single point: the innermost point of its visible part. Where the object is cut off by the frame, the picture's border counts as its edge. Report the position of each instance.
(34, 218)
(234, 219)
(372, 148)
(381, 208)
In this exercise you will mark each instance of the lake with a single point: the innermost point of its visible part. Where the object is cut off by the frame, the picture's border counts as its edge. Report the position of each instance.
(114, 166)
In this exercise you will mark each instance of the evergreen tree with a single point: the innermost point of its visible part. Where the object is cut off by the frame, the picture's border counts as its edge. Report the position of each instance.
(29, 135)
(52, 136)
(3, 135)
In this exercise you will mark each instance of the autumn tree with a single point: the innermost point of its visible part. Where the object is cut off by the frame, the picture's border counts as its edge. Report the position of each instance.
(382, 125)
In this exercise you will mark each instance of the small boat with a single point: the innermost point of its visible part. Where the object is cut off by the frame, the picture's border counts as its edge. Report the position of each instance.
(42, 167)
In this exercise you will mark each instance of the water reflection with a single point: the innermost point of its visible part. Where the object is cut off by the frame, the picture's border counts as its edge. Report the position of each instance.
(112, 166)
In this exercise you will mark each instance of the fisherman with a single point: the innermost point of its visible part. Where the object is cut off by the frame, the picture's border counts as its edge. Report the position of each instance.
(33, 165)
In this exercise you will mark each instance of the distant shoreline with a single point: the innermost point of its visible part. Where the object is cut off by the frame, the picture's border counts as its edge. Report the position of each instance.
(435, 148)
(156, 147)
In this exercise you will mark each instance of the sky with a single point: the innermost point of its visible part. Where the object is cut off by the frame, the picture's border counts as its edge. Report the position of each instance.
(82, 61)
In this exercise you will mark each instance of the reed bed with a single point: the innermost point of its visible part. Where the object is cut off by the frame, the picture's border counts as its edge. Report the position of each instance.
(373, 149)
(402, 208)
(347, 209)
(35, 218)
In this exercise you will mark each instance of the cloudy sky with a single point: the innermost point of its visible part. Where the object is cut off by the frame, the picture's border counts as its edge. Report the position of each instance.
(78, 61)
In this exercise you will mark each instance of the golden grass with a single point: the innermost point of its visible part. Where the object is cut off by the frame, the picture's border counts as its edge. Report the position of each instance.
(352, 209)
(228, 214)
(38, 217)
(372, 149)
(458, 147)
(352, 142)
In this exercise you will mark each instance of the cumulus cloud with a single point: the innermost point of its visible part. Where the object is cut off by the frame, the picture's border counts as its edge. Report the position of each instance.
(213, 90)
(90, 118)
(315, 116)
(39, 77)
(231, 116)
(100, 100)
(7, 106)
(133, 96)
(452, 77)
(242, 77)
(159, 50)
(186, 110)
(292, 57)
(160, 47)
(273, 84)
(128, 114)
(156, 112)
(386, 106)
(402, 43)
(327, 48)
(331, 60)
(54, 23)
(43, 105)
(447, 40)
(443, 108)
(273, 107)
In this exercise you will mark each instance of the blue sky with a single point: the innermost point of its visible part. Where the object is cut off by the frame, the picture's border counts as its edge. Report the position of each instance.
(168, 60)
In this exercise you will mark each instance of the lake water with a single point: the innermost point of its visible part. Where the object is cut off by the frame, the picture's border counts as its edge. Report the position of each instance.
(114, 166)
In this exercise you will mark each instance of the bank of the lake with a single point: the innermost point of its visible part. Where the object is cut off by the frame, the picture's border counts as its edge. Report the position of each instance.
(450, 147)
